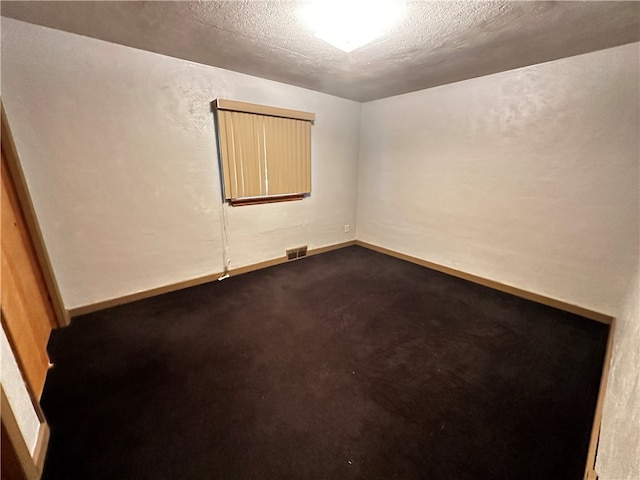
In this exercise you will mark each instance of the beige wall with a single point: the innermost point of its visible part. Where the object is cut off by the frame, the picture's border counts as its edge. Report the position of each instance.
(619, 447)
(119, 151)
(527, 177)
(15, 389)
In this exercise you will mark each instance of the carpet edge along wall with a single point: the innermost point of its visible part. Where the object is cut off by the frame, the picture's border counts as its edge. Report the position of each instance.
(518, 292)
(347, 365)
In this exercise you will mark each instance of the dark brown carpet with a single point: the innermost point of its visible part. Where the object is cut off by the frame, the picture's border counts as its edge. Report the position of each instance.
(347, 365)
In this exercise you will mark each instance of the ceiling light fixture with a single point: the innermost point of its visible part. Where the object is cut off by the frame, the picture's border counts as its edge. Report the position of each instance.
(350, 24)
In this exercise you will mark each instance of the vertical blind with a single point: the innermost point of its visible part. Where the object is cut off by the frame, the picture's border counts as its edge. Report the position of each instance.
(265, 151)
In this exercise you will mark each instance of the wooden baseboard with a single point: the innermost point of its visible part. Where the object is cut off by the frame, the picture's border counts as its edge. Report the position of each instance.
(590, 473)
(94, 307)
(518, 292)
(552, 302)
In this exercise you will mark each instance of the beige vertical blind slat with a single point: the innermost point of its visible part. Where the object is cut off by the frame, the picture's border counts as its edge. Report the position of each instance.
(230, 161)
(232, 173)
(269, 153)
(255, 156)
(224, 151)
(285, 161)
(272, 155)
(236, 133)
(292, 153)
(255, 181)
(284, 152)
(280, 161)
(306, 160)
(274, 148)
(258, 131)
(264, 155)
(238, 153)
(299, 169)
(296, 127)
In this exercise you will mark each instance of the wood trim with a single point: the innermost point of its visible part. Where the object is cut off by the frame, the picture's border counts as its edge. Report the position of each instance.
(42, 445)
(31, 466)
(240, 202)
(235, 106)
(21, 366)
(19, 180)
(590, 473)
(94, 307)
(518, 292)
(590, 470)
(10, 466)
(28, 315)
(133, 297)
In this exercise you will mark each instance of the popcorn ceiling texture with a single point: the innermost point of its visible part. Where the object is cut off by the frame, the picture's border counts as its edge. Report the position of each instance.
(131, 111)
(619, 448)
(437, 43)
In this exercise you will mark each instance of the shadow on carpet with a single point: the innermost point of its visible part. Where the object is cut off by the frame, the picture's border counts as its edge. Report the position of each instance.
(346, 365)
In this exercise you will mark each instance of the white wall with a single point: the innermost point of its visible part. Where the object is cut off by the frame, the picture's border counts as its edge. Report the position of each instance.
(119, 151)
(527, 177)
(619, 446)
(16, 391)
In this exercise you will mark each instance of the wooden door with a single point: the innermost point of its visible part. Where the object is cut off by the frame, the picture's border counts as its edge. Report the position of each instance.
(28, 315)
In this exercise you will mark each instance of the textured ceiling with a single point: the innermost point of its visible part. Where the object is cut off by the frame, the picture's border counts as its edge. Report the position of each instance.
(437, 43)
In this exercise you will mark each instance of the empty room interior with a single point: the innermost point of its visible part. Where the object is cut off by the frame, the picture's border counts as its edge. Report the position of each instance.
(320, 240)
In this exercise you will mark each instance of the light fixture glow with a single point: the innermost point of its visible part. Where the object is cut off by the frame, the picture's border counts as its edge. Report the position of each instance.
(350, 24)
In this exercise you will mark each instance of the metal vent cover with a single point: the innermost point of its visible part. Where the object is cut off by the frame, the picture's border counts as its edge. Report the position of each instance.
(295, 253)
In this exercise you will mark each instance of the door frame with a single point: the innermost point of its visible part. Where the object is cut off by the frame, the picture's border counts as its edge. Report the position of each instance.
(23, 465)
(28, 210)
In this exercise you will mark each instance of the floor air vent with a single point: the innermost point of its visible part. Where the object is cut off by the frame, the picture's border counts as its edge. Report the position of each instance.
(295, 253)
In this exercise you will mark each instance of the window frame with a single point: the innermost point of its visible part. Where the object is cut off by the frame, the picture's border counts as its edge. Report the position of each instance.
(289, 137)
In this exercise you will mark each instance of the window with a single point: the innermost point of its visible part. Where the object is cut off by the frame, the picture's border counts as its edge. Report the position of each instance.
(265, 152)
